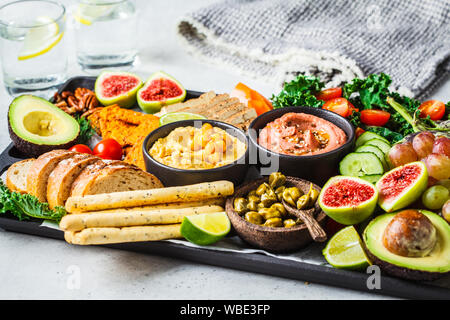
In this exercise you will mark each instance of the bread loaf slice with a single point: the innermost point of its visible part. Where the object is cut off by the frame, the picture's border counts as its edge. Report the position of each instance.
(114, 177)
(40, 170)
(16, 176)
(62, 177)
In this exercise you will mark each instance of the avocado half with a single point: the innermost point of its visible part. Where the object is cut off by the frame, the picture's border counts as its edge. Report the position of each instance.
(37, 126)
(430, 267)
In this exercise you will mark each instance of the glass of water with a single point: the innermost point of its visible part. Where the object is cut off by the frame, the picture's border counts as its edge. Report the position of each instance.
(106, 34)
(33, 53)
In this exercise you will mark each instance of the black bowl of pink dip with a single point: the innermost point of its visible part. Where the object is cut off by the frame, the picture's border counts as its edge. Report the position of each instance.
(306, 142)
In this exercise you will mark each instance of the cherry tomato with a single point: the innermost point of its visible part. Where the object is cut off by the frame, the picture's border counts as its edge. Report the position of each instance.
(372, 117)
(329, 94)
(108, 149)
(251, 98)
(359, 131)
(341, 106)
(433, 108)
(81, 148)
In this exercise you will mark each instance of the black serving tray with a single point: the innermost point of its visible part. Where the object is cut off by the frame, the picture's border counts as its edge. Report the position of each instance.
(255, 262)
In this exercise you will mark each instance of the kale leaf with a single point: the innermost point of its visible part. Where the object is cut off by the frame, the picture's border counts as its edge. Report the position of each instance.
(299, 92)
(24, 206)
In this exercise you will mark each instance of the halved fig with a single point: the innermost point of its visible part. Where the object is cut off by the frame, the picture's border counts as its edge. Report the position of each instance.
(402, 186)
(115, 87)
(348, 200)
(159, 90)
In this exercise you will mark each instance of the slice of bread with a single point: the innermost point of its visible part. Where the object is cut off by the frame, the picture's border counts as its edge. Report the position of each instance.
(115, 177)
(62, 177)
(16, 176)
(40, 170)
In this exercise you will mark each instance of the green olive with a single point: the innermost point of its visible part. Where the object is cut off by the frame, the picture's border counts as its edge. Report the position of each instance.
(274, 222)
(240, 205)
(269, 213)
(279, 192)
(254, 217)
(277, 179)
(252, 206)
(254, 198)
(289, 223)
(303, 202)
(279, 207)
(291, 195)
(262, 189)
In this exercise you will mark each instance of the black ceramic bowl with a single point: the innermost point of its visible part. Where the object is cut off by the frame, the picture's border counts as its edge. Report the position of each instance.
(316, 168)
(169, 176)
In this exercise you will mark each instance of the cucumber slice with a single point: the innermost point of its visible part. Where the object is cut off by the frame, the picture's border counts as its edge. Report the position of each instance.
(377, 151)
(358, 164)
(372, 178)
(384, 146)
(366, 136)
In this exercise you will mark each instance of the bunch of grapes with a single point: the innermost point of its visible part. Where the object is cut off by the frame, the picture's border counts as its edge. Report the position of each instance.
(433, 151)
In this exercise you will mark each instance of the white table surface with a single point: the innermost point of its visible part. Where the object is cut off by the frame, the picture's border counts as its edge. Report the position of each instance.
(39, 268)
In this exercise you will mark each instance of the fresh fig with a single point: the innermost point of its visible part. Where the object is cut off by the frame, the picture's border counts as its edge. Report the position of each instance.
(348, 200)
(402, 186)
(159, 90)
(112, 87)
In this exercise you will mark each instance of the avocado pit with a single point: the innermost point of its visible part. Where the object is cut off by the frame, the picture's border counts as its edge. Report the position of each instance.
(410, 234)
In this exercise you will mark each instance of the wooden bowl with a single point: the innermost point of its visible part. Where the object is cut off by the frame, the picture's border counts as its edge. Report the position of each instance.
(277, 240)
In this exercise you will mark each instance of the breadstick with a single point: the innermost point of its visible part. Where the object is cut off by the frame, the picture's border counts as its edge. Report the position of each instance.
(195, 192)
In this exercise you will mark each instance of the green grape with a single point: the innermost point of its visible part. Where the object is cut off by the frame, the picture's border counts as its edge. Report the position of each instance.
(435, 197)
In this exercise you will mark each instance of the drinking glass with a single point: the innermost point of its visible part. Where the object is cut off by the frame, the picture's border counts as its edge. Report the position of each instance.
(33, 50)
(106, 34)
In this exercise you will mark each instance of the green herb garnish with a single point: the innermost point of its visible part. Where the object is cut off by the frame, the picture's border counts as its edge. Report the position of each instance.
(24, 206)
(86, 130)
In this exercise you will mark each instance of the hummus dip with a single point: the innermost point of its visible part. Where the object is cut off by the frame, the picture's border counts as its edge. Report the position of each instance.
(197, 148)
(301, 134)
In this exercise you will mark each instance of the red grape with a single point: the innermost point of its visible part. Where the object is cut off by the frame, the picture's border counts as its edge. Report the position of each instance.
(423, 144)
(401, 154)
(446, 211)
(442, 146)
(438, 166)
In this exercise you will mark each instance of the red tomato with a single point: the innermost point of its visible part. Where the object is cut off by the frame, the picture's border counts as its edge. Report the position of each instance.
(372, 117)
(108, 149)
(81, 148)
(251, 98)
(433, 108)
(359, 131)
(341, 106)
(329, 94)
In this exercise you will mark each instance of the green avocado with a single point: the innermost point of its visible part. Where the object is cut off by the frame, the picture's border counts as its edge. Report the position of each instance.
(430, 267)
(37, 126)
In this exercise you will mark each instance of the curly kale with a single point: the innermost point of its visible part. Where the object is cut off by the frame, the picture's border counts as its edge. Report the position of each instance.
(299, 92)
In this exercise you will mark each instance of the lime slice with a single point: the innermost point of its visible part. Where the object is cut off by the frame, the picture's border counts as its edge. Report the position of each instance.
(40, 39)
(344, 250)
(204, 229)
(90, 11)
(178, 116)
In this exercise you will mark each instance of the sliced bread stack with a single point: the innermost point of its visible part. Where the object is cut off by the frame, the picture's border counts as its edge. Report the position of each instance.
(55, 176)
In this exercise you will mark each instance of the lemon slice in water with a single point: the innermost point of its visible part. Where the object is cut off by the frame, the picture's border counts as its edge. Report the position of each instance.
(90, 11)
(40, 39)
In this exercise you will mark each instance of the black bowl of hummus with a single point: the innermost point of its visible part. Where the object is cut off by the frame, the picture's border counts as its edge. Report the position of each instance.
(194, 151)
(302, 142)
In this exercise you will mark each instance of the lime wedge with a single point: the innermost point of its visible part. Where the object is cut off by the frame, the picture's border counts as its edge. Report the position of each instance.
(40, 39)
(204, 229)
(90, 11)
(344, 250)
(178, 116)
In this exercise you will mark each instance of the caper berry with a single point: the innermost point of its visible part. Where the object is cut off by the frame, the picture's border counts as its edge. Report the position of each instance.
(314, 195)
(252, 193)
(279, 207)
(291, 195)
(267, 199)
(254, 217)
(262, 189)
(303, 202)
(279, 192)
(254, 198)
(269, 213)
(252, 206)
(274, 222)
(276, 179)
